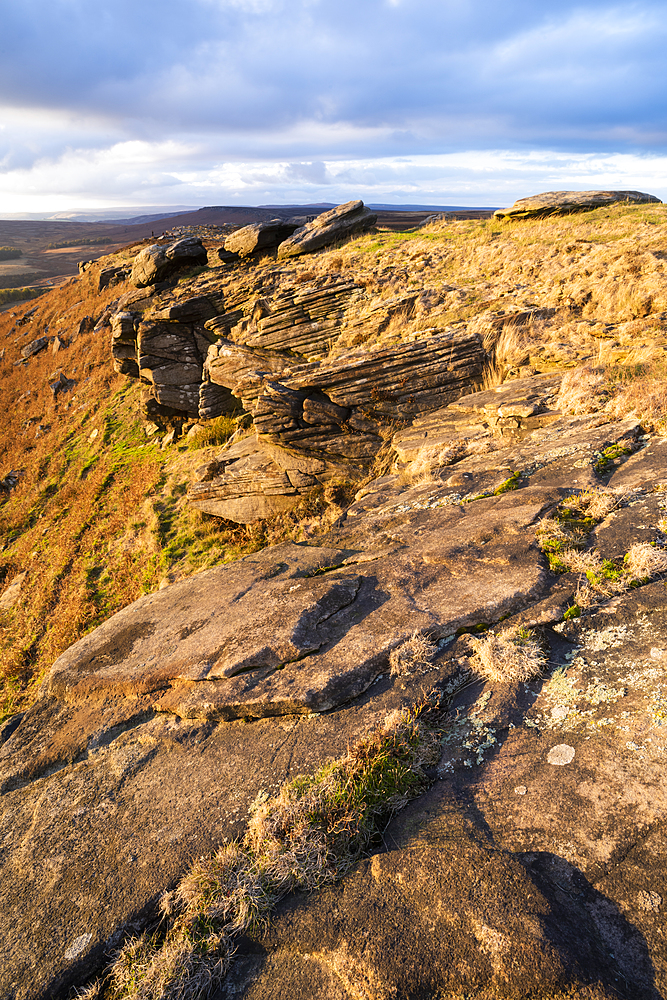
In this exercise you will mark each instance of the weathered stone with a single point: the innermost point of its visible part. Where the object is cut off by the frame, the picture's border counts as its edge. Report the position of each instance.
(11, 595)
(192, 310)
(342, 626)
(112, 275)
(158, 261)
(563, 202)
(124, 344)
(259, 236)
(562, 814)
(62, 384)
(510, 410)
(34, 347)
(338, 224)
(169, 358)
(479, 921)
(58, 344)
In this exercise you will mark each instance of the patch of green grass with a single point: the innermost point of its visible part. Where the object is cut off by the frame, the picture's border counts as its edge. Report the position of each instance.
(213, 432)
(605, 460)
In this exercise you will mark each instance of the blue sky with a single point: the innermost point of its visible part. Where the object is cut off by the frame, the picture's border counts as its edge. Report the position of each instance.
(199, 102)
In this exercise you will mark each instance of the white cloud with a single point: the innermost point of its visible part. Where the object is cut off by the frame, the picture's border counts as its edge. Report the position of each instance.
(142, 173)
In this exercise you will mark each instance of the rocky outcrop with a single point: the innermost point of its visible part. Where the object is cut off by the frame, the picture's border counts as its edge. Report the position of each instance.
(338, 224)
(323, 419)
(301, 321)
(170, 360)
(564, 202)
(549, 793)
(158, 261)
(124, 344)
(259, 236)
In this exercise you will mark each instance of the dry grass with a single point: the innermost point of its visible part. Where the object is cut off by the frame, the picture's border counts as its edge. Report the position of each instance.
(416, 653)
(634, 388)
(644, 561)
(431, 458)
(304, 837)
(511, 655)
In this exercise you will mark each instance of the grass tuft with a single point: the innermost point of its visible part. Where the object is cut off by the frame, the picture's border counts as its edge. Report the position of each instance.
(416, 653)
(644, 561)
(511, 655)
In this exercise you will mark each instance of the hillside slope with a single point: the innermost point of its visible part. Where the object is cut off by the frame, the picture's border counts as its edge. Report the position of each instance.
(455, 594)
(96, 519)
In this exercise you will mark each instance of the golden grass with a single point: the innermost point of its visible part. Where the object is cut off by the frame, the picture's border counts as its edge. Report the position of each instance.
(416, 653)
(510, 655)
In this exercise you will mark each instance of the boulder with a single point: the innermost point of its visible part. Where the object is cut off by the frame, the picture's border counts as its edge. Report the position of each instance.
(340, 223)
(159, 261)
(259, 236)
(564, 202)
(112, 275)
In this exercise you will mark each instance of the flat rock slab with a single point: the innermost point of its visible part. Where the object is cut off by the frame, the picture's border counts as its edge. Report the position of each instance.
(563, 202)
(283, 632)
(88, 845)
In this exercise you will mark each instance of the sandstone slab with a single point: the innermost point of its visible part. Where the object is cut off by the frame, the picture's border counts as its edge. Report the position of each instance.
(259, 236)
(563, 202)
(338, 224)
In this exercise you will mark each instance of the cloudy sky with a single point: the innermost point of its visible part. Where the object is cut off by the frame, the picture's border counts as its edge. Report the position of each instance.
(110, 103)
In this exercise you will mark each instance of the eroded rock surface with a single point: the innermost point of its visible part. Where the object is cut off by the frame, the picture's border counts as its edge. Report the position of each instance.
(338, 224)
(552, 790)
(562, 202)
(157, 261)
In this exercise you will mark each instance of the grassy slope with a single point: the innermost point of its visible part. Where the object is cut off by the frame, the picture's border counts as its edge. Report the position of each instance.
(99, 518)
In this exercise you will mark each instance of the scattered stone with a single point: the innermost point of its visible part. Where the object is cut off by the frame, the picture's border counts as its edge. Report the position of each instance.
(62, 384)
(34, 347)
(58, 344)
(9, 481)
(85, 325)
(340, 223)
(11, 595)
(563, 202)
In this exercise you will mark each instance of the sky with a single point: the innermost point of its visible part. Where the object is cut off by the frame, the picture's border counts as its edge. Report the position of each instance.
(120, 103)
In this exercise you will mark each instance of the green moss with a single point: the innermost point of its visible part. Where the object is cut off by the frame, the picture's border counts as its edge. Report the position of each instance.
(511, 483)
(605, 460)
